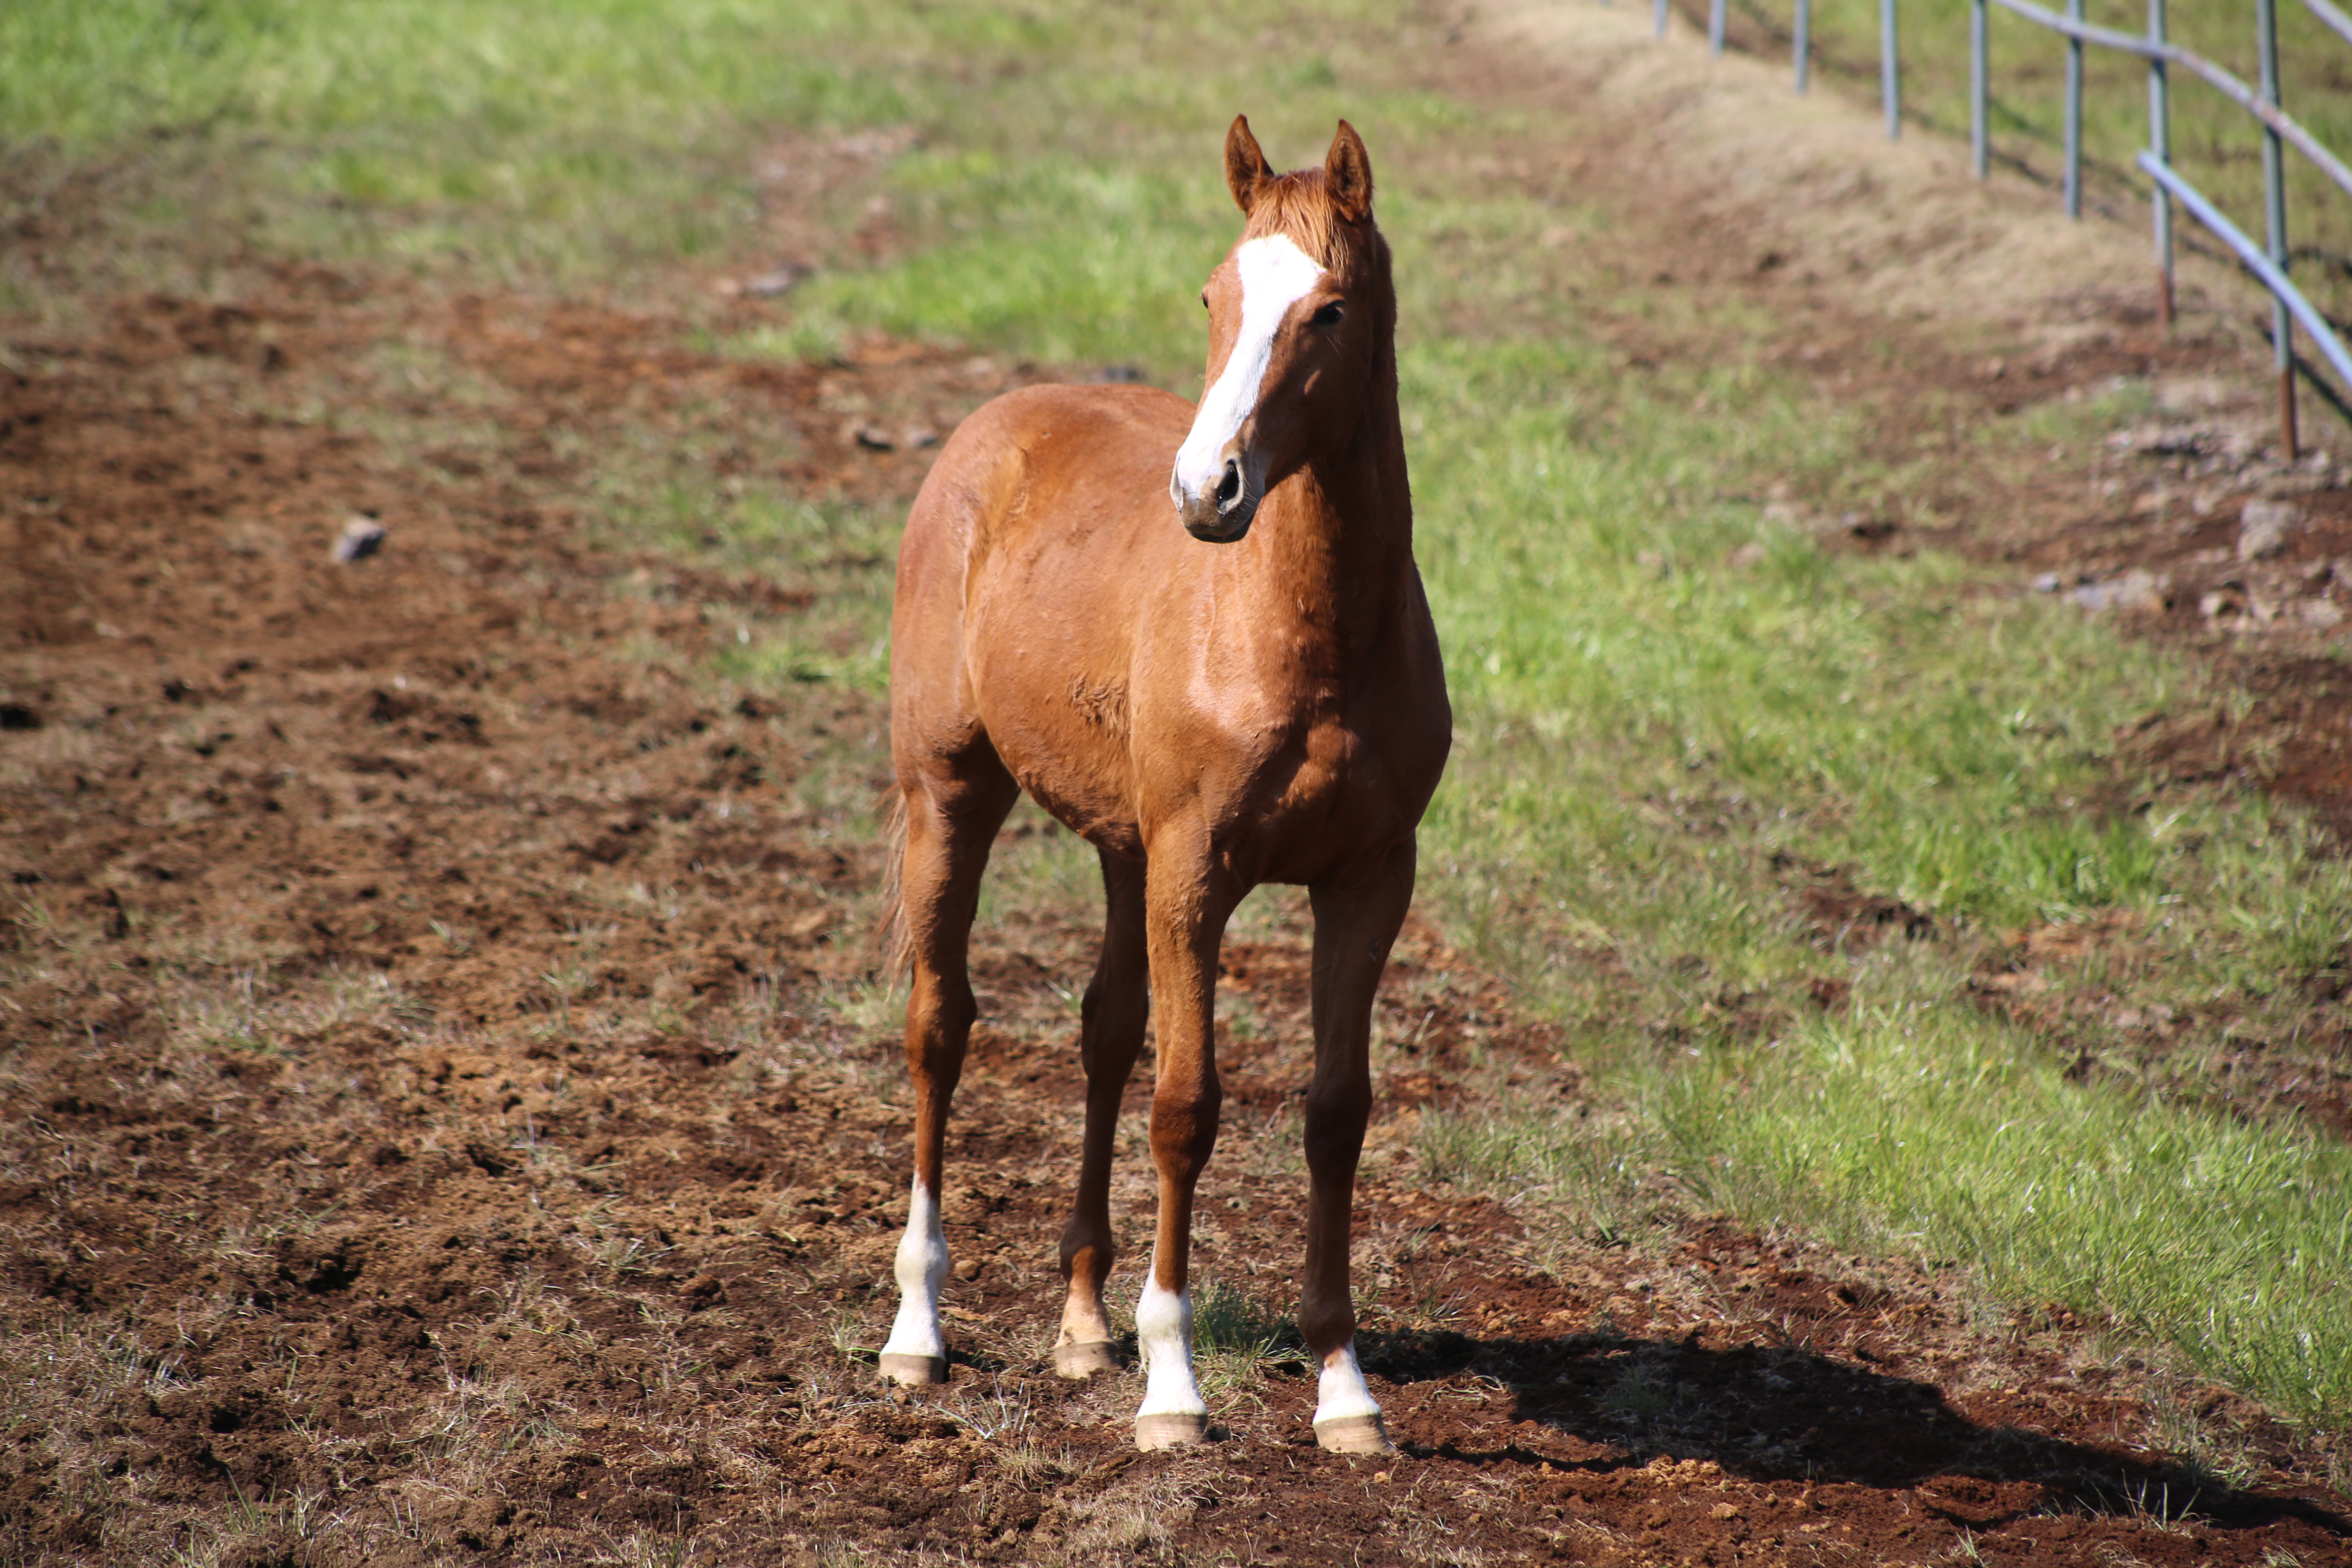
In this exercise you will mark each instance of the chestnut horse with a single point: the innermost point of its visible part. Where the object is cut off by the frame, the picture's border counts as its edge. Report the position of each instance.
(1254, 697)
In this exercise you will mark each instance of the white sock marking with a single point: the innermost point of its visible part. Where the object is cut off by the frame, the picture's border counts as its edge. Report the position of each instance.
(1340, 1389)
(1163, 1332)
(922, 1268)
(1275, 274)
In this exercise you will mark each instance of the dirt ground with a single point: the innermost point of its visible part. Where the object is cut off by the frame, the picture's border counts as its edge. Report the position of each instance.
(449, 1115)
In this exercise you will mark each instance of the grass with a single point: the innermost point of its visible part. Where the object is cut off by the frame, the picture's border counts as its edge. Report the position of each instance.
(507, 137)
(1667, 698)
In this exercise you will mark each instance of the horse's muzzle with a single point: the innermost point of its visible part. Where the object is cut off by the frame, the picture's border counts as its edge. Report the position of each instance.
(1222, 515)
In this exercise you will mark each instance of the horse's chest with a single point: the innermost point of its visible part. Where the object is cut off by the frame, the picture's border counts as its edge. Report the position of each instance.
(1320, 792)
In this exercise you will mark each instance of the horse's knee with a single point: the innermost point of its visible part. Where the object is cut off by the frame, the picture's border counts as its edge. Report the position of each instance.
(1184, 1126)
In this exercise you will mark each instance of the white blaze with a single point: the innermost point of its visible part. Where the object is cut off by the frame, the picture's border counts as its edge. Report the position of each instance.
(1275, 274)
(922, 1268)
(1163, 1332)
(1340, 1389)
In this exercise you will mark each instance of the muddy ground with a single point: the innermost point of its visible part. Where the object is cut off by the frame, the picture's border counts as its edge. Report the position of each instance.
(449, 1115)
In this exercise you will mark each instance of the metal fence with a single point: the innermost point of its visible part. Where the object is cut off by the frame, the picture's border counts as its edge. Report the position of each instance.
(2267, 262)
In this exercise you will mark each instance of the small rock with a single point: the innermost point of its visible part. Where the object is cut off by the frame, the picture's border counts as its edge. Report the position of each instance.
(2322, 615)
(874, 438)
(1120, 375)
(2175, 441)
(2262, 527)
(767, 285)
(919, 436)
(360, 538)
(2217, 604)
(2047, 582)
(2135, 590)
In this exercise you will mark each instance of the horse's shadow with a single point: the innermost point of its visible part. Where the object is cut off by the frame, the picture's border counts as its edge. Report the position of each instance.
(1788, 1413)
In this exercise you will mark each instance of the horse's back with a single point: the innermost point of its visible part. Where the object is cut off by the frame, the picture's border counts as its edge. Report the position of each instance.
(1034, 452)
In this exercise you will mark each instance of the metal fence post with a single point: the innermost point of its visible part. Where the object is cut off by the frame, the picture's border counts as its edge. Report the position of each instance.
(1714, 25)
(1658, 16)
(2275, 200)
(1890, 81)
(2073, 115)
(2159, 143)
(1979, 132)
(1803, 48)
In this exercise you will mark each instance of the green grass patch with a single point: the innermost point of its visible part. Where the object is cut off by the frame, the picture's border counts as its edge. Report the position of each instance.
(1909, 1125)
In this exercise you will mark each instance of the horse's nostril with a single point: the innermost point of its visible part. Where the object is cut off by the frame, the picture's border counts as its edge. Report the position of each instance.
(1229, 486)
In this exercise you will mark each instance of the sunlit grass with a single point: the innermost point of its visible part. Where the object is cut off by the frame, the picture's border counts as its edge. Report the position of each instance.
(1908, 1125)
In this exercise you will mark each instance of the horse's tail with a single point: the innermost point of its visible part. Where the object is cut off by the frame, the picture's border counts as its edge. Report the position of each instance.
(891, 937)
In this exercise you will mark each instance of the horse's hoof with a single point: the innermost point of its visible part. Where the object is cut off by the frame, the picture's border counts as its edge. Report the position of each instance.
(913, 1371)
(1169, 1431)
(1080, 1362)
(1354, 1434)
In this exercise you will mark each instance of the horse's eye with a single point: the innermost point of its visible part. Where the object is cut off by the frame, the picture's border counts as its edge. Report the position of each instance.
(1329, 316)
(1204, 299)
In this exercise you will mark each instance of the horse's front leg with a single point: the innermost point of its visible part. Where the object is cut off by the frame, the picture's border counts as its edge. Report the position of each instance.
(1185, 908)
(1357, 916)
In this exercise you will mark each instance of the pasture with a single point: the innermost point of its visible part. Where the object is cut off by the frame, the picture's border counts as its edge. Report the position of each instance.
(1866, 1077)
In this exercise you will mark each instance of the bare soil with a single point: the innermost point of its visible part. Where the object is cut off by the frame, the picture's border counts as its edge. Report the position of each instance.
(448, 1115)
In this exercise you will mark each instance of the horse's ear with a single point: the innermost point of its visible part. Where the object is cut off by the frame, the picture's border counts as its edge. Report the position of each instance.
(1348, 174)
(1247, 170)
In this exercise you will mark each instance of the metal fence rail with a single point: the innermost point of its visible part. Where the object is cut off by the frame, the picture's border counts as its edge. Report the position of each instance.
(2267, 262)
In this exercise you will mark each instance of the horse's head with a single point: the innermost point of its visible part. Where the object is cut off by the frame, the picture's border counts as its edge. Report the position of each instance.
(1298, 312)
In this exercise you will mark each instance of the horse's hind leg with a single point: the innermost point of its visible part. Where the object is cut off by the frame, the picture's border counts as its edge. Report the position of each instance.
(1356, 921)
(951, 821)
(1111, 1035)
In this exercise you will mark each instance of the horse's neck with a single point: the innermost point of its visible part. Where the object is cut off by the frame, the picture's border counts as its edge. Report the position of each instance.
(1337, 553)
